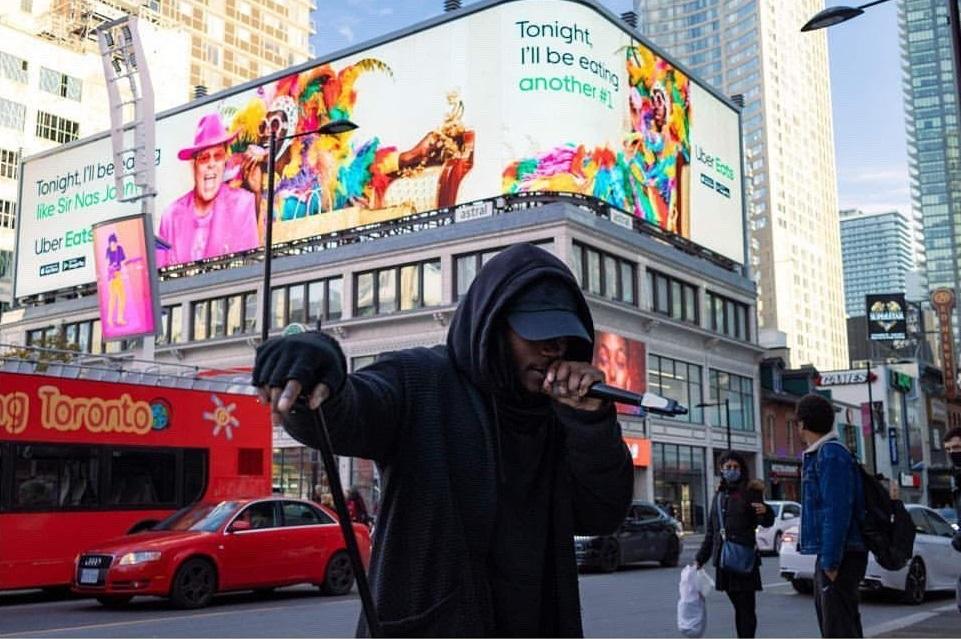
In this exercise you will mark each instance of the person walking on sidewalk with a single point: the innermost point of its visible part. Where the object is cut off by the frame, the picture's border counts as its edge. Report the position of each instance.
(833, 504)
(737, 510)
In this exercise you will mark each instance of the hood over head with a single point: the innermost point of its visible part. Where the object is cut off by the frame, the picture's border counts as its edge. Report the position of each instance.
(472, 334)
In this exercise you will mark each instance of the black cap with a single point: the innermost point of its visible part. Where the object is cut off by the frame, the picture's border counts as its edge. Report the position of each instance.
(546, 310)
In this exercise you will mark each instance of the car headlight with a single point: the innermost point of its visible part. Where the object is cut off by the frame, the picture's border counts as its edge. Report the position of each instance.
(139, 557)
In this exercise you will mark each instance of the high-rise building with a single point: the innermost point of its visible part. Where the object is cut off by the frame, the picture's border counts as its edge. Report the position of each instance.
(229, 41)
(879, 253)
(754, 49)
(934, 157)
(52, 92)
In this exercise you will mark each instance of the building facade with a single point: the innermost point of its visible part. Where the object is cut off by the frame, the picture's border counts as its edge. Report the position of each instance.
(52, 92)
(647, 297)
(932, 115)
(879, 252)
(754, 49)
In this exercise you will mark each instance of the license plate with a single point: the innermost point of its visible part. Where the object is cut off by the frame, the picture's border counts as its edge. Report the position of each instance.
(89, 575)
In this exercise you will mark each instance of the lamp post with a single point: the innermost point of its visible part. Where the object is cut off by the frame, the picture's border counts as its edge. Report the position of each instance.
(334, 127)
(727, 414)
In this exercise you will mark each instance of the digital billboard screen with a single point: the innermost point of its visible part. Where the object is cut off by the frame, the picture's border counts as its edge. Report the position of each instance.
(624, 364)
(516, 97)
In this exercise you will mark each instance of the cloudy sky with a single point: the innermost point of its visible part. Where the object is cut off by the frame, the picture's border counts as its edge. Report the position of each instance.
(866, 96)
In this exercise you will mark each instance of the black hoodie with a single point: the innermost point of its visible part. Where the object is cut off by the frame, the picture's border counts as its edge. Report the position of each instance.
(426, 416)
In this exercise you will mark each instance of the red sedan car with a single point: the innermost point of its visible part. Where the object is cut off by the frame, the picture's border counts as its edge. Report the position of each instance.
(207, 548)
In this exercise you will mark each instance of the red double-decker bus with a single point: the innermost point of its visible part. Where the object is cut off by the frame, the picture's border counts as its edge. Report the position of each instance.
(84, 460)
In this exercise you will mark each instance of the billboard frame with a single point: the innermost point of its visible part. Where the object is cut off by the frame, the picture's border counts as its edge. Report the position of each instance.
(419, 27)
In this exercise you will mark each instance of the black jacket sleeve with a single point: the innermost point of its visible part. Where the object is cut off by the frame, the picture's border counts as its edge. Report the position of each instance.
(707, 546)
(767, 519)
(601, 470)
(364, 416)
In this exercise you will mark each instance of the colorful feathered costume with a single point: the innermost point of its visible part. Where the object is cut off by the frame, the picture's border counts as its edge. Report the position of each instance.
(641, 178)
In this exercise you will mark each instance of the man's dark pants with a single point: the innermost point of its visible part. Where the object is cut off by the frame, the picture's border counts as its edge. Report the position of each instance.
(836, 601)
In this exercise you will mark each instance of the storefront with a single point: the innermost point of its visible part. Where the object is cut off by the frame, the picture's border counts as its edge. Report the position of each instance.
(680, 484)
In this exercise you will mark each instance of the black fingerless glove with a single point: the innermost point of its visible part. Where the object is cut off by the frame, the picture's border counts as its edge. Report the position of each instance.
(311, 358)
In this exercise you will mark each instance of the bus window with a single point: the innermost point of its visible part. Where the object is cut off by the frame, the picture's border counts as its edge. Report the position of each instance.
(52, 477)
(195, 474)
(143, 478)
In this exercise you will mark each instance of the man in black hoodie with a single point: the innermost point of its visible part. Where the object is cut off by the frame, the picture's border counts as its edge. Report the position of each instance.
(491, 454)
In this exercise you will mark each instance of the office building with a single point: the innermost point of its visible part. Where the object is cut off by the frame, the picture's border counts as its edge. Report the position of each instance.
(932, 114)
(879, 252)
(754, 49)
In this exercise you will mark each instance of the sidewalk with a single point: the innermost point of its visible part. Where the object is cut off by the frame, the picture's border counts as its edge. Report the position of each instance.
(943, 621)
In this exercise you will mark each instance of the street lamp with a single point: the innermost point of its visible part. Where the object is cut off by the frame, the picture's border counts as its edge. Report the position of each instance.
(836, 15)
(727, 413)
(335, 127)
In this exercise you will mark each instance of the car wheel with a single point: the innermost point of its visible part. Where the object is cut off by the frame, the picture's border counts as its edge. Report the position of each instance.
(116, 601)
(610, 556)
(777, 543)
(194, 584)
(915, 584)
(339, 576)
(673, 554)
(802, 586)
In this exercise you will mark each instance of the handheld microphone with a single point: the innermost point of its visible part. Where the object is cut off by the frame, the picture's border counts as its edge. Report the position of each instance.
(648, 401)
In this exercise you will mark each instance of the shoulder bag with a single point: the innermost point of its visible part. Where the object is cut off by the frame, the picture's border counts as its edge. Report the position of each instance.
(735, 557)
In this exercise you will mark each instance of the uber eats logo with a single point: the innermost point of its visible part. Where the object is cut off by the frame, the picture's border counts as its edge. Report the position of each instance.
(721, 171)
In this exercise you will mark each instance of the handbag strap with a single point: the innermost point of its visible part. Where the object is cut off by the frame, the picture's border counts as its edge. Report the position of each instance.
(721, 518)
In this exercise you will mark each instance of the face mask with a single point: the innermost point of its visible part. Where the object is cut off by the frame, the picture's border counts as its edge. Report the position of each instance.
(731, 475)
(956, 459)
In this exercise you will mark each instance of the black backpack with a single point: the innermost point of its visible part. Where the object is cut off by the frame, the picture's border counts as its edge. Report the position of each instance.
(886, 526)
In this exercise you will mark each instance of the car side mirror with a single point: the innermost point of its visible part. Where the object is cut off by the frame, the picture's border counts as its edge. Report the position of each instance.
(788, 516)
(920, 529)
(239, 526)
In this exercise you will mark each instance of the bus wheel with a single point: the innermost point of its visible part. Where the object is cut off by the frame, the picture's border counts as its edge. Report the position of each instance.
(116, 601)
(339, 577)
(194, 584)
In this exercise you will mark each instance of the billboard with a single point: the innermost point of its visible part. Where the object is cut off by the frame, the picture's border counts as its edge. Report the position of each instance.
(516, 100)
(126, 282)
(624, 363)
(887, 321)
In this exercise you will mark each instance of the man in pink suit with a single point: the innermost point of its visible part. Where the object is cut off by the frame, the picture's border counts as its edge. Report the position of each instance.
(212, 219)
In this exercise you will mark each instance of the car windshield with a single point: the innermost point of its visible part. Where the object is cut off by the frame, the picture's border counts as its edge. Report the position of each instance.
(204, 517)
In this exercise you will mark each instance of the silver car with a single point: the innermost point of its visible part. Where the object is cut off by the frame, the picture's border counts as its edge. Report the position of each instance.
(786, 515)
(934, 566)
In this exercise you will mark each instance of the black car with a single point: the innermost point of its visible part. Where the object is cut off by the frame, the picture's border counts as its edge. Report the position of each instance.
(647, 534)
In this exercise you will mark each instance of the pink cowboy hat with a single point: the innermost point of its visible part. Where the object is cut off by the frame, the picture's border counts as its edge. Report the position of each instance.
(210, 132)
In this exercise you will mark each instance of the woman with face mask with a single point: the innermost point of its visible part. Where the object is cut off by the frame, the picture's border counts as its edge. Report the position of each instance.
(737, 510)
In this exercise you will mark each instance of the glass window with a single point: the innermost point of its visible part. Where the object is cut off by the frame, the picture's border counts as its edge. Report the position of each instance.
(432, 286)
(610, 277)
(466, 268)
(300, 514)
(409, 287)
(365, 294)
(387, 291)
(250, 312)
(296, 305)
(316, 298)
(259, 515)
(52, 477)
(278, 307)
(335, 294)
(235, 314)
(594, 272)
(199, 326)
(679, 381)
(142, 478)
(921, 523)
(627, 282)
(577, 263)
(218, 317)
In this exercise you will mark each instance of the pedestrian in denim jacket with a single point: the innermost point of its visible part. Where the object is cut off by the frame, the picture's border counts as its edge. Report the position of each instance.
(833, 504)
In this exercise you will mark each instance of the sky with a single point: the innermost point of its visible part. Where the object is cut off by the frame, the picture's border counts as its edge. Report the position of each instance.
(867, 104)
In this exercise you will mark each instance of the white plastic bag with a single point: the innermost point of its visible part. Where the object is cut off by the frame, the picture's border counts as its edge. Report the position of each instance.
(691, 611)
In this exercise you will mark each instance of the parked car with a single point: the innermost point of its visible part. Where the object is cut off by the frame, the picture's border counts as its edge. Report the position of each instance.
(934, 566)
(786, 515)
(647, 534)
(950, 515)
(208, 548)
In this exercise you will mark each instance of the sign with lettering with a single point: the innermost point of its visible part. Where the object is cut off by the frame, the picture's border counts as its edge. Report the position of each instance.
(943, 301)
(886, 317)
(841, 378)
